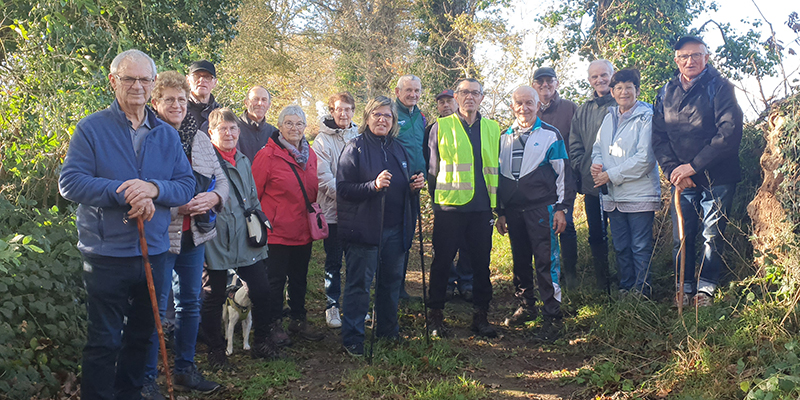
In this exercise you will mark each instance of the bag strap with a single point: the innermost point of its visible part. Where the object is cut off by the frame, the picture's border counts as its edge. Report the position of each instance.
(302, 187)
(227, 175)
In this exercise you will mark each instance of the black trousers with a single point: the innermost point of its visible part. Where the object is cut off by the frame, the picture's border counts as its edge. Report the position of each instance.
(288, 263)
(532, 237)
(451, 229)
(214, 286)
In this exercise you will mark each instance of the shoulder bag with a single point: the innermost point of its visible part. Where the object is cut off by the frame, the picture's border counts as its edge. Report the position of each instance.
(316, 218)
(255, 219)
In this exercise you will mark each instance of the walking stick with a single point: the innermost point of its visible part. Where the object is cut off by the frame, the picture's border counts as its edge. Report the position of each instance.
(422, 266)
(681, 251)
(377, 282)
(148, 273)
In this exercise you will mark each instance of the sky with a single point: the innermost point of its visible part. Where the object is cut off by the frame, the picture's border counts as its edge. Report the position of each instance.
(519, 16)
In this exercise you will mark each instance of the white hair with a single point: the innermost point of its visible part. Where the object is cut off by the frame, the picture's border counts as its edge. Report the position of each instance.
(291, 110)
(132, 55)
(403, 79)
(605, 63)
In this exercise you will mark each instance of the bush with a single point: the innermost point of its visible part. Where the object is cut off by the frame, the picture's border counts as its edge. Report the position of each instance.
(43, 320)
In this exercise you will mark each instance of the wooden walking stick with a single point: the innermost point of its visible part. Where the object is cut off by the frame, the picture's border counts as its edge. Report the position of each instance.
(681, 258)
(148, 272)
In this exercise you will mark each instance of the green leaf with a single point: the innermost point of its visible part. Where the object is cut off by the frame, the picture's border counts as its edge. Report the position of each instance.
(745, 386)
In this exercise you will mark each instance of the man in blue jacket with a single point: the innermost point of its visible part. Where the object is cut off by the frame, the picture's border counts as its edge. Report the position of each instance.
(123, 163)
(697, 130)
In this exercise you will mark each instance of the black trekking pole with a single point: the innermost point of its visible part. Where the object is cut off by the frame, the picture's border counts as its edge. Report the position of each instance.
(422, 266)
(376, 280)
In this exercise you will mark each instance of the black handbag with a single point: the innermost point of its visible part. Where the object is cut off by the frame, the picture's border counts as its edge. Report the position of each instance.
(255, 220)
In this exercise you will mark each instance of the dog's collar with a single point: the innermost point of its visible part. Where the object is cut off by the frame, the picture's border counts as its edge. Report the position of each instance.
(242, 310)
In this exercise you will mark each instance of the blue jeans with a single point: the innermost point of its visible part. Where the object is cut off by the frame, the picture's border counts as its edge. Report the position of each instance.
(711, 206)
(361, 261)
(188, 266)
(114, 355)
(333, 266)
(632, 235)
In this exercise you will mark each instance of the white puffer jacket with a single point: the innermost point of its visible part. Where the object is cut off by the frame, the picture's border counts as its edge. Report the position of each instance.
(626, 152)
(328, 145)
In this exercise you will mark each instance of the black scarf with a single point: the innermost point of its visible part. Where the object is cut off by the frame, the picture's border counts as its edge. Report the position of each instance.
(187, 131)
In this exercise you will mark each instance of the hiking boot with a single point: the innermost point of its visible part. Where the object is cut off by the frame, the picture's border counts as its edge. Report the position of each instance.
(549, 332)
(481, 325)
(304, 330)
(190, 379)
(702, 299)
(150, 390)
(217, 359)
(355, 350)
(332, 317)
(436, 323)
(266, 349)
(521, 316)
(467, 295)
(278, 335)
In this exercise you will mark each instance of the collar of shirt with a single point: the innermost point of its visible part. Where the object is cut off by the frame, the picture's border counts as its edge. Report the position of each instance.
(623, 116)
(688, 84)
(516, 130)
(256, 124)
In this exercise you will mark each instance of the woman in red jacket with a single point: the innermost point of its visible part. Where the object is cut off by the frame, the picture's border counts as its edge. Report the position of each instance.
(287, 152)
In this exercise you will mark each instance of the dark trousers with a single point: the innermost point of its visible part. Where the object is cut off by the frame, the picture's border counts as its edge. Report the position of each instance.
(597, 220)
(115, 351)
(288, 263)
(333, 266)
(214, 287)
(448, 229)
(569, 248)
(531, 236)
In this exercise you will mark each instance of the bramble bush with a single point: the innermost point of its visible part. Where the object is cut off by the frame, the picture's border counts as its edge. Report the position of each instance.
(42, 317)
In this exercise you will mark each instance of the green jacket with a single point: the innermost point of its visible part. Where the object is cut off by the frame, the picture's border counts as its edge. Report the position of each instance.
(229, 249)
(412, 131)
(583, 132)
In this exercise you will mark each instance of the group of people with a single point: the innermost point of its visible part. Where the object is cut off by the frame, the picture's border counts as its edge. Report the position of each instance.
(195, 173)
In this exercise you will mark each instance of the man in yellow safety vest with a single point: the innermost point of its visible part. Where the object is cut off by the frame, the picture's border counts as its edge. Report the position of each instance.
(463, 171)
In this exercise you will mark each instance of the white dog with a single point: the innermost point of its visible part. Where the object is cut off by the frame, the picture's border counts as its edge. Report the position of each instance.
(237, 308)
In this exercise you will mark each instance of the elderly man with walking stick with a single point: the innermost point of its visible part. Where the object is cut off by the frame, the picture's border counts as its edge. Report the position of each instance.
(123, 163)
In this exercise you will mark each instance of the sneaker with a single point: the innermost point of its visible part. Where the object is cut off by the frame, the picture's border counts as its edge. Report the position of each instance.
(278, 335)
(332, 317)
(266, 349)
(355, 350)
(190, 379)
(368, 317)
(481, 325)
(217, 359)
(436, 325)
(521, 316)
(685, 303)
(150, 390)
(467, 295)
(304, 330)
(702, 299)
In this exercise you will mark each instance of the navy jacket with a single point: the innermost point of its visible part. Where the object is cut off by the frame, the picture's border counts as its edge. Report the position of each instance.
(357, 201)
(100, 158)
(701, 127)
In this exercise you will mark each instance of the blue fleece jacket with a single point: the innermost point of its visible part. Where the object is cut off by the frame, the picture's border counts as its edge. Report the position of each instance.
(100, 158)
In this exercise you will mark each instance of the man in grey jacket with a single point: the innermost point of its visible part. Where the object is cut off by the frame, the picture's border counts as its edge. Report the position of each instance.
(583, 132)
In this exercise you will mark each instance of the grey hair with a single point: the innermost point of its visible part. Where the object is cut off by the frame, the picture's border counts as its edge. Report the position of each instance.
(403, 79)
(605, 62)
(473, 80)
(133, 55)
(269, 95)
(291, 110)
(526, 87)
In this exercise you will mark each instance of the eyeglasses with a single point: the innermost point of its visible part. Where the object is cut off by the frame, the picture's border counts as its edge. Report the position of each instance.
(695, 57)
(378, 116)
(130, 81)
(292, 125)
(170, 101)
(547, 79)
(347, 110)
(474, 93)
(221, 130)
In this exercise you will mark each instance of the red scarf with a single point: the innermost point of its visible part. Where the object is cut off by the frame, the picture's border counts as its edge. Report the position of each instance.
(229, 156)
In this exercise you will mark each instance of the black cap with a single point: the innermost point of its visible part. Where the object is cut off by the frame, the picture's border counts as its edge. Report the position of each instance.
(688, 39)
(445, 93)
(545, 71)
(203, 65)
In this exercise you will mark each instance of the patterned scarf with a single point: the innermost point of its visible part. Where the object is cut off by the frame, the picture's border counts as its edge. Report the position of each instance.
(300, 155)
(187, 131)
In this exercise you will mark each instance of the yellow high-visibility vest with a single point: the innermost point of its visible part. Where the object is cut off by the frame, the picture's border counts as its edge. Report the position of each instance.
(455, 183)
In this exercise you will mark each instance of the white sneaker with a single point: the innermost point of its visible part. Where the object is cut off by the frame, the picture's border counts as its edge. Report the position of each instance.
(332, 317)
(367, 318)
